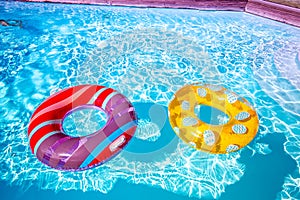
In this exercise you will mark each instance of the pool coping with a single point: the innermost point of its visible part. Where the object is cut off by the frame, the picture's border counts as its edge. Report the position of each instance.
(274, 11)
(263, 8)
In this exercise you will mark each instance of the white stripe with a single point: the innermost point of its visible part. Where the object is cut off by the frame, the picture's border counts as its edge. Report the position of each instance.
(96, 95)
(55, 121)
(62, 103)
(111, 95)
(43, 139)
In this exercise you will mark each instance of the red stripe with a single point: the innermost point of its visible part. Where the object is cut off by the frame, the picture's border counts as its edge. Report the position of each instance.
(60, 113)
(99, 101)
(106, 153)
(52, 115)
(57, 97)
(41, 132)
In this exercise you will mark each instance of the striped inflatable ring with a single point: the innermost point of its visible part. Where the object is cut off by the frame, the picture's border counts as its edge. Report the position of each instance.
(56, 149)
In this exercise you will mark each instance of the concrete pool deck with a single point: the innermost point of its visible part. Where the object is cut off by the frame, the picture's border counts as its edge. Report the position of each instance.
(268, 9)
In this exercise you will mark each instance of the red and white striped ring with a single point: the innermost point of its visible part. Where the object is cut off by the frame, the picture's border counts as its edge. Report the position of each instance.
(56, 149)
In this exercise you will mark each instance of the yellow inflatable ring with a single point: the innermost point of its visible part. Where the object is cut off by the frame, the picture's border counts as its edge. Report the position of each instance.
(234, 134)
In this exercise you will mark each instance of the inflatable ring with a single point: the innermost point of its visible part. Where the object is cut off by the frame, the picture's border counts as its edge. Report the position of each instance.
(56, 149)
(232, 135)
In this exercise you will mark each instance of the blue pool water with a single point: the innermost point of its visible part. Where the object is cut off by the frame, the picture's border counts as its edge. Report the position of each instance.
(148, 54)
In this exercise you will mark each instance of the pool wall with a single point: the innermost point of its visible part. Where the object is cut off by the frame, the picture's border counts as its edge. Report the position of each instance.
(275, 11)
(279, 12)
(236, 5)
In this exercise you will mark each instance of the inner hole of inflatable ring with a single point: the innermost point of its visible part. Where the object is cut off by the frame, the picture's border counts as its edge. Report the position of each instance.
(84, 120)
(211, 115)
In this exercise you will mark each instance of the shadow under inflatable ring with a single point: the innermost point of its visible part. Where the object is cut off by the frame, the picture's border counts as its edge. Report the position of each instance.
(56, 149)
(144, 150)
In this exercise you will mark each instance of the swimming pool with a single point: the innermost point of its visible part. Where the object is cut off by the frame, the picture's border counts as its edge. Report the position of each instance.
(148, 54)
